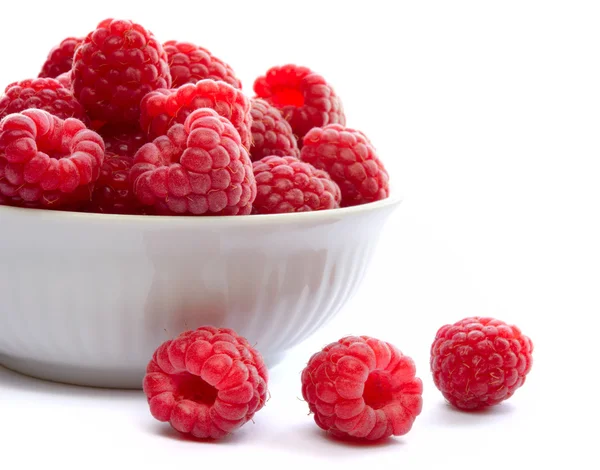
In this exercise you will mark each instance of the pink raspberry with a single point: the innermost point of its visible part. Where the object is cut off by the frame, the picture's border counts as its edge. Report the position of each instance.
(46, 161)
(207, 382)
(199, 167)
(41, 93)
(351, 161)
(114, 67)
(271, 133)
(285, 184)
(190, 63)
(363, 388)
(304, 98)
(163, 108)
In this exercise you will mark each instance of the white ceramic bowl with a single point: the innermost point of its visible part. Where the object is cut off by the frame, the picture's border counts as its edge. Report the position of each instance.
(87, 298)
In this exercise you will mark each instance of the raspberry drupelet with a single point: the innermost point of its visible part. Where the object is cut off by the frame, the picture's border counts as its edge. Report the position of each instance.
(60, 58)
(271, 133)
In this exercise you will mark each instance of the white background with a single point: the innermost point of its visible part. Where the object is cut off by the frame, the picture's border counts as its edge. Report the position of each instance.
(487, 115)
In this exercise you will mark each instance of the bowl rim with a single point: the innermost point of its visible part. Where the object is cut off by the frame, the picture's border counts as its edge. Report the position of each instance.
(390, 201)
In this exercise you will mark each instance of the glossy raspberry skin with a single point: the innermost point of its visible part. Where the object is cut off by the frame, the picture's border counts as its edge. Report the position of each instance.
(65, 79)
(479, 362)
(41, 93)
(123, 140)
(207, 382)
(305, 99)
(285, 184)
(363, 388)
(163, 108)
(60, 58)
(46, 161)
(199, 167)
(190, 63)
(271, 133)
(115, 66)
(351, 161)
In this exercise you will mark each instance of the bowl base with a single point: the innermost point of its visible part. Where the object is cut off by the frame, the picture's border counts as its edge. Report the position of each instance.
(116, 378)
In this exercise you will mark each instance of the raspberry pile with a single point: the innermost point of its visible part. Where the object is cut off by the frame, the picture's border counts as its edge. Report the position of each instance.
(139, 93)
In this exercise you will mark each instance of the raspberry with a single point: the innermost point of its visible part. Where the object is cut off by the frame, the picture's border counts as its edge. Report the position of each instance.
(199, 167)
(47, 162)
(207, 382)
(112, 193)
(271, 133)
(190, 63)
(123, 140)
(115, 66)
(163, 108)
(285, 184)
(41, 93)
(349, 157)
(305, 99)
(479, 362)
(60, 58)
(65, 79)
(363, 388)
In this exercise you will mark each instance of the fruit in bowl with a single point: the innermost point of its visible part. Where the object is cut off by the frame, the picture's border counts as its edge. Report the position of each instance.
(159, 197)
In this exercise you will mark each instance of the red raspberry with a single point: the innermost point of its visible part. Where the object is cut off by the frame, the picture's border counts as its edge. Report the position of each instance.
(349, 157)
(112, 193)
(305, 99)
(123, 140)
(207, 382)
(60, 58)
(285, 184)
(271, 133)
(115, 66)
(47, 162)
(41, 93)
(65, 79)
(190, 63)
(163, 108)
(479, 362)
(199, 167)
(362, 387)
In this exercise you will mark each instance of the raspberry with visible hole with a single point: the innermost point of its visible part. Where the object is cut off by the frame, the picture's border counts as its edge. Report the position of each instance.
(480, 361)
(163, 108)
(46, 161)
(271, 133)
(190, 63)
(41, 93)
(304, 98)
(206, 382)
(363, 388)
(199, 167)
(351, 161)
(285, 184)
(114, 67)
(60, 58)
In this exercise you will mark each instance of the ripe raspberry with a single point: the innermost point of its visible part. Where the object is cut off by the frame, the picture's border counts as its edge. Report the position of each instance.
(163, 108)
(350, 159)
(115, 66)
(47, 162)
(363, 388)
(271, 133)
(190, 63)
(112, 193)
(41, 93)
(60, 58)
(285, 184)
(199, 167)
(123, 140)
(305, 99)
(65, 79)
(207, 382)
(479, 362)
